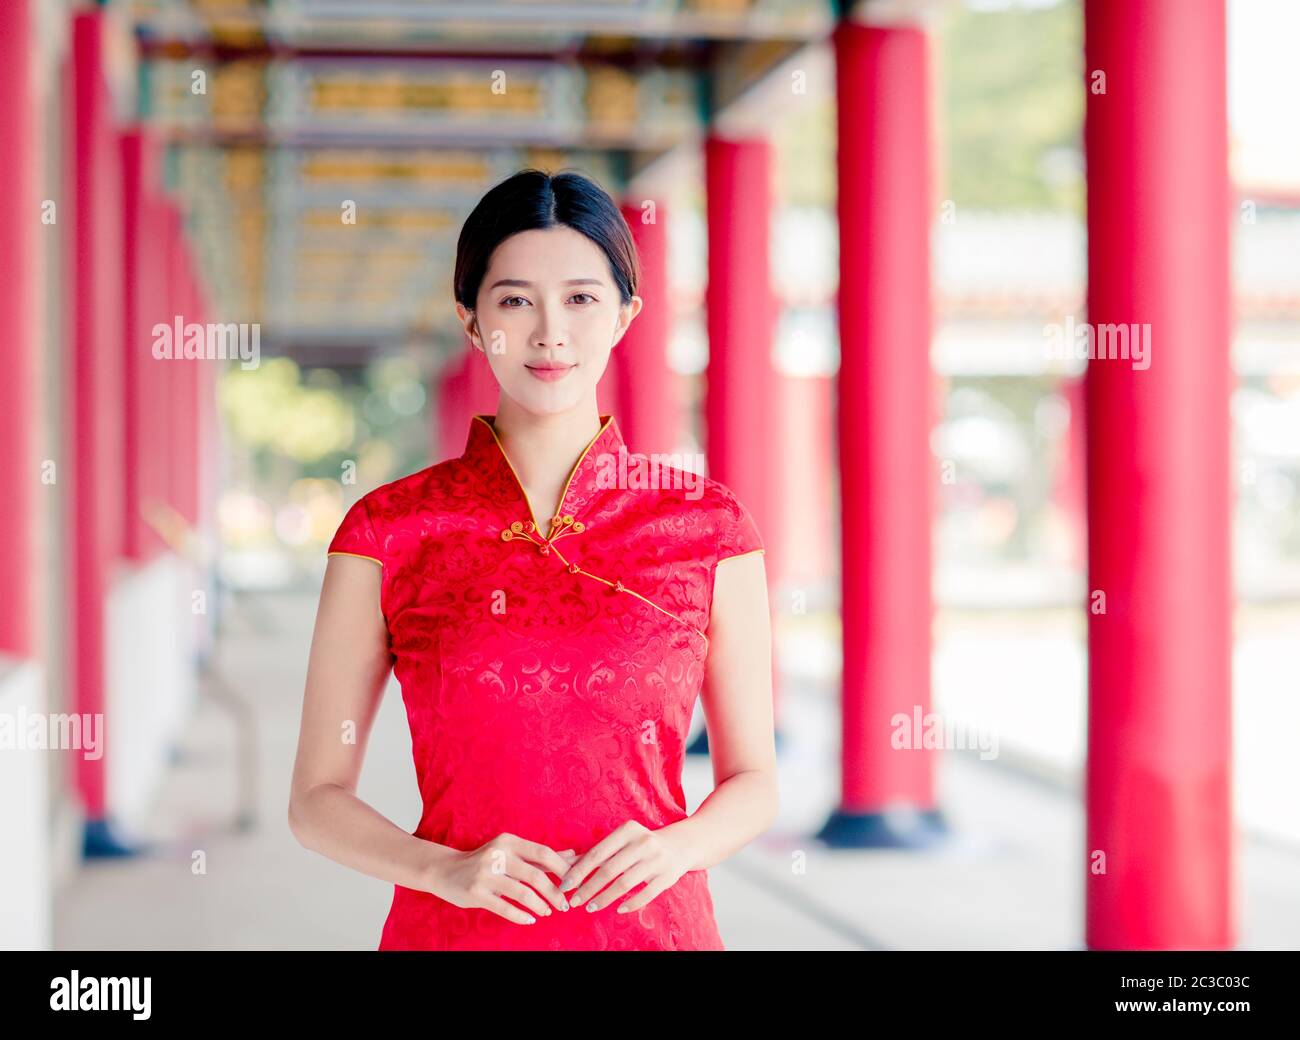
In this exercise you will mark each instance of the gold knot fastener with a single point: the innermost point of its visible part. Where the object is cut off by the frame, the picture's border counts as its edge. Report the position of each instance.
(560, 526)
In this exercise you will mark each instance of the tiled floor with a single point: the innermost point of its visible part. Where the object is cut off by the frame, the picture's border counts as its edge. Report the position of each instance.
(1011, 878)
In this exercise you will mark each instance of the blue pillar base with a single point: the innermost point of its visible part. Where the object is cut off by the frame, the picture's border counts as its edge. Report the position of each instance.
(102, 839)
(902, 828)
(700, 745)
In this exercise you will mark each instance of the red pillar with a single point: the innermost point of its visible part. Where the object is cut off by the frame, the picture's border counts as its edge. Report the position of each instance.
(608, 400)
(807, 418)
(482, 389)
(94, 446)
(742, 397)
(155, 458)
(1159, 773)
(1068, 490)
(466, 387)
(172, 307)
(18, 414)
(887, 473)
(453, 407)
(142, 272)
(650, 413)
(187, 376)
(207, 425)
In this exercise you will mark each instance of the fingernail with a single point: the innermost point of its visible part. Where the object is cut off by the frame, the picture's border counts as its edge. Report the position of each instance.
(531, 920)
(593, 906)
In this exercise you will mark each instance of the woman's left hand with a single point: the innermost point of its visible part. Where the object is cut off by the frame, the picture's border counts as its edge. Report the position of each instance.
(628, 856)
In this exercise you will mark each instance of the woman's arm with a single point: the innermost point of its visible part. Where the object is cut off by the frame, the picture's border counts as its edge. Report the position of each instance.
(737, 697)
(346, 674)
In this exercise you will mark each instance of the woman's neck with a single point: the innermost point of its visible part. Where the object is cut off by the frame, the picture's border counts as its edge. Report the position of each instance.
(544, 448)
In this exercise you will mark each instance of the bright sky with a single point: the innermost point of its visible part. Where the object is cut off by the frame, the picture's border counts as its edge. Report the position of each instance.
(1264, 91)
(1263, 87)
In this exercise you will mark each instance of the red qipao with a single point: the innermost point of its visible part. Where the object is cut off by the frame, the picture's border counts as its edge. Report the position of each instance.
(549, 679)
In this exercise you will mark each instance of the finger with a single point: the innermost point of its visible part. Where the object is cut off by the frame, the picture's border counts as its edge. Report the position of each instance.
(542, 855)
(653, 889)
(592, 858)
(569, 856)
(538, 879)
(521, 893)
(618, 863)
(507, 910)
(622, 885)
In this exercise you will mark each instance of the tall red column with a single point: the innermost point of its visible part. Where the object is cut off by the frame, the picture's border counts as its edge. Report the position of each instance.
(94, 446)
(142, 271)
(884, 418)
(453, 407)
(172, 307)
(1160, 838)
(466, 387)
(650, 412)
(482, 389)
(187, 376)
(18, 215)
(607, 391)
(807, 425)
(1068, 488)
(742, 399)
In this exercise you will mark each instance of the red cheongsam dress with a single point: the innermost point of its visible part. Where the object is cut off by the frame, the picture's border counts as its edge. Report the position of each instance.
(549, 670)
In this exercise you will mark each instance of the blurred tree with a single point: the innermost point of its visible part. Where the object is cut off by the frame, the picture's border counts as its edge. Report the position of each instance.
(1012, 86)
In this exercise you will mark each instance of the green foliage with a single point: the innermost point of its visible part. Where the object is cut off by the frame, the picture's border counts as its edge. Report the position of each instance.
(1012, 93)
(269, 408)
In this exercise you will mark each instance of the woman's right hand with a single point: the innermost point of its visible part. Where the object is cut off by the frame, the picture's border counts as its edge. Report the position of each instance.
(506, 866)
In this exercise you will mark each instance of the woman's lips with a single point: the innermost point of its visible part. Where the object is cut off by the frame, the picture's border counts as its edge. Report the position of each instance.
(550, 375)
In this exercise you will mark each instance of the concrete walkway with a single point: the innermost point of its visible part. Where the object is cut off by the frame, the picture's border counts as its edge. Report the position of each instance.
(1010, 879)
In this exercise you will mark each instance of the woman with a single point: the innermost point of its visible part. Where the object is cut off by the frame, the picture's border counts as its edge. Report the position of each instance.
(551, 623)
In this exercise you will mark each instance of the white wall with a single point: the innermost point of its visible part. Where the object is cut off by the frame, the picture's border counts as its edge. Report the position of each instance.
(152, 686)
(26, 921)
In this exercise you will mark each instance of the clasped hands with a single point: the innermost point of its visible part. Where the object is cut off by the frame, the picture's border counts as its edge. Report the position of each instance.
(509, 867)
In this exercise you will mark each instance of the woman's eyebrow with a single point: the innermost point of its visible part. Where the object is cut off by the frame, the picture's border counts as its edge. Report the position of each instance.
(520, 283)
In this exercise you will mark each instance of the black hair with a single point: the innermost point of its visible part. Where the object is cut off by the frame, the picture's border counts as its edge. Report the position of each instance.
(533, 199)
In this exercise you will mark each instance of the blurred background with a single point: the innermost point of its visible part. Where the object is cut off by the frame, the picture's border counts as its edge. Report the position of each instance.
(301, 169)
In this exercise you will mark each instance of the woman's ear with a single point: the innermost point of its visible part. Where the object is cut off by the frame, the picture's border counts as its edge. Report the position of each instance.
(626, 313)
(469, 321)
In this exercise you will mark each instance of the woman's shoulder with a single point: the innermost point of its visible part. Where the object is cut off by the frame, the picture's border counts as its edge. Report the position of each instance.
(737, 530)
(716, 511)
(366, 524)
(399, 498)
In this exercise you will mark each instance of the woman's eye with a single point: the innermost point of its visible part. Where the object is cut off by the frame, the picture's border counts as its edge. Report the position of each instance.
(587, 295)
(506, 302)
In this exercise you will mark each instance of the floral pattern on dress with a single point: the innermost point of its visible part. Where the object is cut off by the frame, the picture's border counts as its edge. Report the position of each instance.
(549, 676)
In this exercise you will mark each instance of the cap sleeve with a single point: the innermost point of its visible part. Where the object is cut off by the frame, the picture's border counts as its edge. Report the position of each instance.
(356, 535)
(739, 531)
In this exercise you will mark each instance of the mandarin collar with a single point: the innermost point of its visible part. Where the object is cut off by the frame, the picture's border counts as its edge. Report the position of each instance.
(485, 453)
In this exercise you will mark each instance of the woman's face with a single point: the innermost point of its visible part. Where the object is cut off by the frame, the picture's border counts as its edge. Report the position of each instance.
(547, 315)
